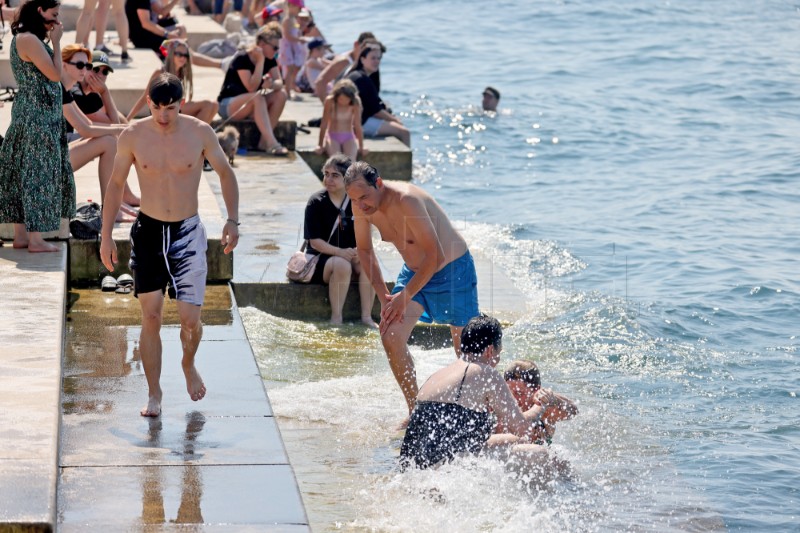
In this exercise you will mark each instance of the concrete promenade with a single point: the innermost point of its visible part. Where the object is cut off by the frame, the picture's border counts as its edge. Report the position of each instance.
(82, 459)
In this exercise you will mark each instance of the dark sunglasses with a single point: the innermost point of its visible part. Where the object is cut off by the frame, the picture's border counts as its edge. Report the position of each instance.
(182, 54)
(103, 71)
(80, 65)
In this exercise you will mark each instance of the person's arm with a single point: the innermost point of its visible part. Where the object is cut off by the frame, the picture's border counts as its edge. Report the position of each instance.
(327, 110)
(227, 182)
(385, 115)
(251, 80)
(143, 98)
(419, 225)
(561, 409)
(85, 127)
(31, 49)
(366, 254)
(327, 75)
(202, 60)
(358, 130)
(152, 27)
(277, 78)
(97, 85)
(163, 11)
(113, 199)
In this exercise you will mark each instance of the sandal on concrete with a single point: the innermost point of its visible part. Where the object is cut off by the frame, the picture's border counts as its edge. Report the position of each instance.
(278, 150)
(108, 284)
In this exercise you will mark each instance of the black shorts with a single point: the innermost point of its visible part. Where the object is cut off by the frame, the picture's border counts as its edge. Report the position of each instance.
(169, 254)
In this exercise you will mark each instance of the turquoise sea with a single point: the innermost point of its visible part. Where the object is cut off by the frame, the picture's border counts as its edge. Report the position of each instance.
(640, 183)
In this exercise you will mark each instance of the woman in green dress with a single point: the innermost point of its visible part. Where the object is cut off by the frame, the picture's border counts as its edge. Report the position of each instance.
(37, 187)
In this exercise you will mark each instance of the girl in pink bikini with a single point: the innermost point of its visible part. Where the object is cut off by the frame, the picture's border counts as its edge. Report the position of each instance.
(340, 130)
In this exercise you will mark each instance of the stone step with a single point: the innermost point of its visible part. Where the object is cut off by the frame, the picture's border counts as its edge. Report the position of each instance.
(200, 28)
(391, 157)
(33, 292)
(285, 132)
(85, 267)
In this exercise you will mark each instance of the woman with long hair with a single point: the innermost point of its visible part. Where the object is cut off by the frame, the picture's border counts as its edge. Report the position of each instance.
(179, 62)
(375, 117)
(37, 187)
(89, 140)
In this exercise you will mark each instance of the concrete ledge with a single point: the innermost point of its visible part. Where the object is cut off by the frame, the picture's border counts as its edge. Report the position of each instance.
(285, 132)
(31, 349)
(85, 267)
(391, 157)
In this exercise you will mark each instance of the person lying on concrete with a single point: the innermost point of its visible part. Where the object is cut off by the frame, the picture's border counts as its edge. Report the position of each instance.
(338, 259)
(253, 88)
(453, 410)
(437, 281)
(524, 381)
(323, 85)
(491, 97)
(168, 240)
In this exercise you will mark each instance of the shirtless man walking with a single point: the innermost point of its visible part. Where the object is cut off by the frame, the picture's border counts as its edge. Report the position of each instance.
(437, 281)
(168, 240)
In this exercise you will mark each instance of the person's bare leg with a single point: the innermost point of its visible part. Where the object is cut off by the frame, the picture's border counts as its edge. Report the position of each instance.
(204, 110)
(202, 60)
(332, 147)
(350, 149)
(191, 333)
(367, 295)
(262, 120)
(150, 349)
(395, 342)
(33, 241)
(83, 26)
(21, 238)
(83, 151)
(396, 130)
(121, 22)
(337, 274)
(276, 101)
(100, 22)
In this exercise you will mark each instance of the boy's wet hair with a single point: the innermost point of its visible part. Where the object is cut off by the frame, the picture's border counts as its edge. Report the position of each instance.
(338, 162)
(525, 371)
(361, 169)
(480, 333)
(165, 89)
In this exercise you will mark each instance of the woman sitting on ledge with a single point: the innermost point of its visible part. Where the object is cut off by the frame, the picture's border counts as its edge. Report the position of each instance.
(338, 259)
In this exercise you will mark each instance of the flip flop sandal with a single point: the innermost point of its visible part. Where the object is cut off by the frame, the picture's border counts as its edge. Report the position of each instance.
(125, 280)
(278, 151)
(108, 284)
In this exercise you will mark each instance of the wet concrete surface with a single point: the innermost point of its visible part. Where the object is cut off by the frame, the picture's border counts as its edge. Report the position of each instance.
(214, 465)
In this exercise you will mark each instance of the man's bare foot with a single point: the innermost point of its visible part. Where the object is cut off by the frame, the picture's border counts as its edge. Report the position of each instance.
(194, 383)
(153, 407)
(42, 247)
(367, 321)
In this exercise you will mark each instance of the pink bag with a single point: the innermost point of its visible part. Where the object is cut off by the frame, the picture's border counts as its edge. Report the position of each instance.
(301, 266)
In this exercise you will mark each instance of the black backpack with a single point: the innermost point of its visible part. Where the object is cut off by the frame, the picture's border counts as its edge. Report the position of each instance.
(87, 222)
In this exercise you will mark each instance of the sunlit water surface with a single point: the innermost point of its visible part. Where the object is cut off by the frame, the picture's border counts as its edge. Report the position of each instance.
(640, 185)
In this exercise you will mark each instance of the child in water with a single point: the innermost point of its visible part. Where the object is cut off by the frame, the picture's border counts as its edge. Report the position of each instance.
(340, 129)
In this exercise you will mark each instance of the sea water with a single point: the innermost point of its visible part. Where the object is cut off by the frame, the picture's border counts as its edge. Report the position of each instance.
(639, 183)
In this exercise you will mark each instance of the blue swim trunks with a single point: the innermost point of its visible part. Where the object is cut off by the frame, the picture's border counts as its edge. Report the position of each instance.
(451, 295)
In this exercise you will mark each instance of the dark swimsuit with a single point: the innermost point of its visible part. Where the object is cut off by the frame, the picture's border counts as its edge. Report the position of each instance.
(437, 431)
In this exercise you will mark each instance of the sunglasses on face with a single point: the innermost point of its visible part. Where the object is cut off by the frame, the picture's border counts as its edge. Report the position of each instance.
(182, 54)
(103, 71)
(80, 65)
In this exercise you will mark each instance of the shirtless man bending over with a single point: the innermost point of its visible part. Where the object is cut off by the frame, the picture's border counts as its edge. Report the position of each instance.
(437, 281)
(168, 150)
